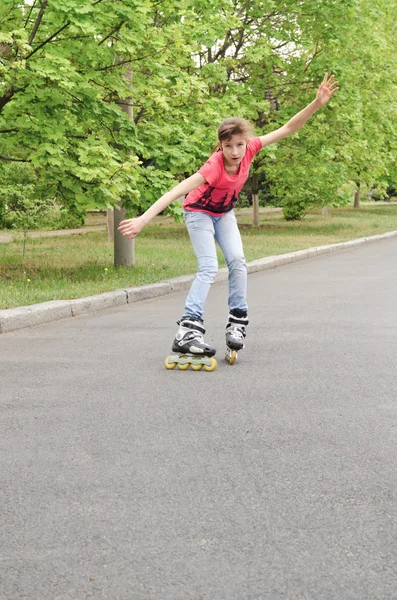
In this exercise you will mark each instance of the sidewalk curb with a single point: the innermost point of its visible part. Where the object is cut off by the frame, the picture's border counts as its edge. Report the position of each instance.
(12, 319)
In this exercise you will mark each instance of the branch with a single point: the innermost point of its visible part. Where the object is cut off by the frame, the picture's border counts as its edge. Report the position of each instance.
(317, 52)
(73, 96)
(81, 180)
(9, 130)
(140, 114)
(77, 137)
(223, 49)
(117, 171)
(126, 62)
(43, 6)
(117, 28)
(72, 38)
(30, 12)
(7, 97)
(280, 45)
(47, 40)
(10, 159)
(111, 92)
(240, 43)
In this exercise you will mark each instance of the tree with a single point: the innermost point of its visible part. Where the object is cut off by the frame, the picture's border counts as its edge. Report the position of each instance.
(24, 201)
(62, 64)
(193, 63)
(264, 64)
(366, 63)
(56, 113)
(268, 63)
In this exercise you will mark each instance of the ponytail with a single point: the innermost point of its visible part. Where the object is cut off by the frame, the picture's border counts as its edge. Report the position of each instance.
(216, 148)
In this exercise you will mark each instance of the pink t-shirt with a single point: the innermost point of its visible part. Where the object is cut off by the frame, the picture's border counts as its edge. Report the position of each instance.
(220, 193)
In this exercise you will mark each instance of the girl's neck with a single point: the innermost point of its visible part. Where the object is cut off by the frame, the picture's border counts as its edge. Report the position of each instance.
(232, 169)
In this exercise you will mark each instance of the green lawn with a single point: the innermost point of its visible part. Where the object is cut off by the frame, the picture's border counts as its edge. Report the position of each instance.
(82, 265)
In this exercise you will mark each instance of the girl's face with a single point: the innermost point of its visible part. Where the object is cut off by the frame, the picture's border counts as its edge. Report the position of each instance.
(234, 150)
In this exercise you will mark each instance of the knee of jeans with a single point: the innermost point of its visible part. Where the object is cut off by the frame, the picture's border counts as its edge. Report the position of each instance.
(237, 262)
(207, 270)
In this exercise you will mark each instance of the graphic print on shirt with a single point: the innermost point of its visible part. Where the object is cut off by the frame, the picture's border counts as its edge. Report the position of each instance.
(206, 202)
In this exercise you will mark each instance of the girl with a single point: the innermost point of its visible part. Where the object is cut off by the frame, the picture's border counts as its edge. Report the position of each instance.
(211, 195)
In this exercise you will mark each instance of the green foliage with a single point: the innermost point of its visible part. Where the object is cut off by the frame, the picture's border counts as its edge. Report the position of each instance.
(273, 74)
(25, 211)
(26, 203)
(69, 68)
(62, 70)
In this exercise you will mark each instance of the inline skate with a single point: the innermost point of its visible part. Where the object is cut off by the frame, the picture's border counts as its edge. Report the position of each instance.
(235, 334)
(189, 348)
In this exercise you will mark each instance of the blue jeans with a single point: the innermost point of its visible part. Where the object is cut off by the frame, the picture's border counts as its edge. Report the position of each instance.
(204, 230)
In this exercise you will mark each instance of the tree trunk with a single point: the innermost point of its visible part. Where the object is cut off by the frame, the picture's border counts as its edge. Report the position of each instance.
(255, 199)
(25, 235)
(357, 196)
(110, 224)
(123, 247)
(324, 211)
(255, 205)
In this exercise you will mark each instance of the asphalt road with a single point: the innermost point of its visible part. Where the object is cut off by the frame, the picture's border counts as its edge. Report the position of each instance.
(272, 479)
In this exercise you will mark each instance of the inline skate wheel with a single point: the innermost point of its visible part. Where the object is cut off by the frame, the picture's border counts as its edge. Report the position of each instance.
(196, 367)
(169, 364)
(231, 356)
(183, 366)
(212, 366)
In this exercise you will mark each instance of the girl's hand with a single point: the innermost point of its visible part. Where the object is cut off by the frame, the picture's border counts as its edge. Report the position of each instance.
(326, 89)
(131, 227)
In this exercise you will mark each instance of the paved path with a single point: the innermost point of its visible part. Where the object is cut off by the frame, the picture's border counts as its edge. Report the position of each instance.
(6, 237)
(274, 479)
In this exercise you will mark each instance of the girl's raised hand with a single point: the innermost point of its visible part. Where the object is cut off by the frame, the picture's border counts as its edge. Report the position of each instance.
(327, 88)
(131, 227)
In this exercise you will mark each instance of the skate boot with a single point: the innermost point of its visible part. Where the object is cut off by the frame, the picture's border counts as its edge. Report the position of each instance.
(235, 334)
(190, 349)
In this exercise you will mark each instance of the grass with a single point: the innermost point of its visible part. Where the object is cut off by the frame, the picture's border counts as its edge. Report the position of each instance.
(82, 265)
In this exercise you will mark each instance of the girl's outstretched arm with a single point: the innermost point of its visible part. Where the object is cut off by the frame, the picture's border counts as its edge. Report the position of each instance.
(131, 227)
(324, 93)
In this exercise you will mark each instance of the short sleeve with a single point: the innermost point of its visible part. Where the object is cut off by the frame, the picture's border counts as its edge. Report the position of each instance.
(255, 145)
(211, 170)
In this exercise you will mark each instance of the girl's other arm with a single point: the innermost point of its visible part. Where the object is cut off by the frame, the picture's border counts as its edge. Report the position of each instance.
(324, 93)
(131, 227)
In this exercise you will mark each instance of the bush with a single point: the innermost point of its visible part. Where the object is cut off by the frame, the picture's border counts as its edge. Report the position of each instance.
(294, 208)
(27, 203)
(67, 220)
(2, 211)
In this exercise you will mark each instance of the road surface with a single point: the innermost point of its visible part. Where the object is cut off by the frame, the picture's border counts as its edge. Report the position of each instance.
(272, 479)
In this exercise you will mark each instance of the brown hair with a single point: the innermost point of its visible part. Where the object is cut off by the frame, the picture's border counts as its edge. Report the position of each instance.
(233, 126)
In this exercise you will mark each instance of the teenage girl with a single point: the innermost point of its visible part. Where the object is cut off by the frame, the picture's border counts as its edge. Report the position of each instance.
(211, 195)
